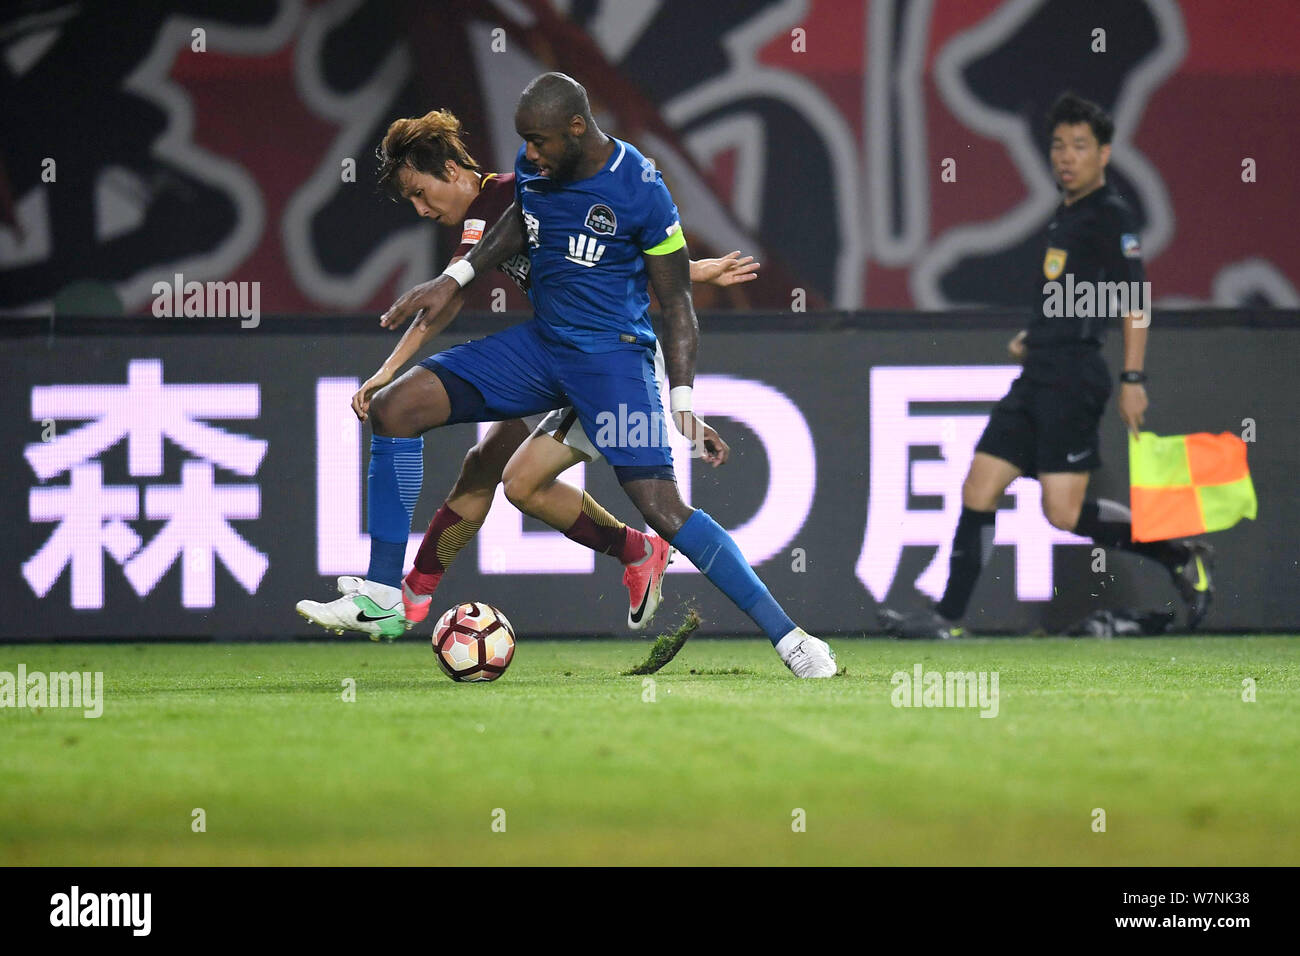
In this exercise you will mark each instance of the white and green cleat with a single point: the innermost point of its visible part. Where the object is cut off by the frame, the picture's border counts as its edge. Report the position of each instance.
(365, 607)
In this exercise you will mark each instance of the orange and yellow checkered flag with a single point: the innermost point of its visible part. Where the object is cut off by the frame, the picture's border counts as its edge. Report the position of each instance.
(1184, 485)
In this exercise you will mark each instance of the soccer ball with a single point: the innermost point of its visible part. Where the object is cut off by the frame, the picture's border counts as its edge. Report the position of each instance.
(473, 642)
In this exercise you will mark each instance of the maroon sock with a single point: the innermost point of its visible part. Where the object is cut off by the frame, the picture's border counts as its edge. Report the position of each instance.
(448, 533)
(626, 544)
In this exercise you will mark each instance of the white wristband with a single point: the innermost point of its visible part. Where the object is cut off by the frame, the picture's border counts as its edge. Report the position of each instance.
(461, 272)
(679, 398)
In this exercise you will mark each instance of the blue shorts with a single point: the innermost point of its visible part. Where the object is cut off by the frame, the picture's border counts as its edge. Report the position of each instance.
(522, 371)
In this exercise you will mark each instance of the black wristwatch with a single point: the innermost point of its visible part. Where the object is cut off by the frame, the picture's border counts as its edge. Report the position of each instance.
(1132, 377)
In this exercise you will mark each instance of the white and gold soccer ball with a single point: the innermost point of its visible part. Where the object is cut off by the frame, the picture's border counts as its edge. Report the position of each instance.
(473, 642)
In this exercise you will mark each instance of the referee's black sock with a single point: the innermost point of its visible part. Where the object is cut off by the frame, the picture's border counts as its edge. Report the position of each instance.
(972, 545)
(1110, 524)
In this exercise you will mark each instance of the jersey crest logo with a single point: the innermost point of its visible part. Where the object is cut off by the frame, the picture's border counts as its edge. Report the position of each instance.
(1130, 246)
(584, 250)
(1054, 262)
(601, 220)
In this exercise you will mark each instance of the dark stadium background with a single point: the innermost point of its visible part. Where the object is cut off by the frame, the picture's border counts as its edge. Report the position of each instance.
(819, 152)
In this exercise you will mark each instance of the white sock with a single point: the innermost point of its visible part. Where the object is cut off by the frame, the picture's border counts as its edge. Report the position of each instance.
(788, 643)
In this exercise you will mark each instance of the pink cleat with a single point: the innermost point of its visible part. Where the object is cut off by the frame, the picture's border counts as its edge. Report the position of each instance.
(417, 594)
(645, 583)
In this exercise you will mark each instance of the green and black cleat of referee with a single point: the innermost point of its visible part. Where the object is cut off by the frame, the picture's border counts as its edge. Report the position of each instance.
(921, 625)
(1195, 580)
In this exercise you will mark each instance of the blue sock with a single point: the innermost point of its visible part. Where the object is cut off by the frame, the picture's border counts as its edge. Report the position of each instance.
(711, 550)
(392, 486)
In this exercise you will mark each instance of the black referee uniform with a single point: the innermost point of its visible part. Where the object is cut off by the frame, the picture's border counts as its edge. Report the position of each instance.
(1048, 421)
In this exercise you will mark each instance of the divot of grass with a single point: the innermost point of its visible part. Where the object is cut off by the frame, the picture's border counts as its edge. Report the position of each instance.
(666, 646)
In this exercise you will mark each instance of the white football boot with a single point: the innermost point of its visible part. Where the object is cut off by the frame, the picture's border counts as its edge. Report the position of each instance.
(805, 655)
(369, 608)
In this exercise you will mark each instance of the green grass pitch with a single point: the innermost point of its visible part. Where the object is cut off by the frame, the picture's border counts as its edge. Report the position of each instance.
(589, 770)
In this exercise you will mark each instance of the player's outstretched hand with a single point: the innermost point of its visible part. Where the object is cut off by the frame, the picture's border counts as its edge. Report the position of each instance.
(430, 297)
(706, 443)
(1132, 405)
(716, 451)
(1017, 348)
(731, 269)
(361, 400)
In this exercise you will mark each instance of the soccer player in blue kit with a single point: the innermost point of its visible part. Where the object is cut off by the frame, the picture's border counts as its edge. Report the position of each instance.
(597, 222)
(424, 161)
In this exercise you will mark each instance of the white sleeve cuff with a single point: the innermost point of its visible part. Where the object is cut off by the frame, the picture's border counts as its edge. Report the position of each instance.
(680, 398)
(460, 271)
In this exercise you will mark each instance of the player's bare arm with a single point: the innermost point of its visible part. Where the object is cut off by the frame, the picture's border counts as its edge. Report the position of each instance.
(1132, 400)
(731, 269)
(411, 344)
(506, 238)
(670, 276)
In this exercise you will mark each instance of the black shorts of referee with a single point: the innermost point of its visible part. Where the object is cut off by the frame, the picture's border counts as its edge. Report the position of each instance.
(1049, 421)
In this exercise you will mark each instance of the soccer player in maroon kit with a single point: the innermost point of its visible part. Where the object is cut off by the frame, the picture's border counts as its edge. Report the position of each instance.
(424, 161)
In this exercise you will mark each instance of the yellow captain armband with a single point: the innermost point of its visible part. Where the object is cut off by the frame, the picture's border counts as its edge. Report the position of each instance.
(676, 240)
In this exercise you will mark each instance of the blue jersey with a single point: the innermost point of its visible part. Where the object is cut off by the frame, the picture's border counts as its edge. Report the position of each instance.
(585, 242)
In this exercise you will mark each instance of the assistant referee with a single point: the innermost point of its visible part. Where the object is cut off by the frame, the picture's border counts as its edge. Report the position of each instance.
(1046, 426)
